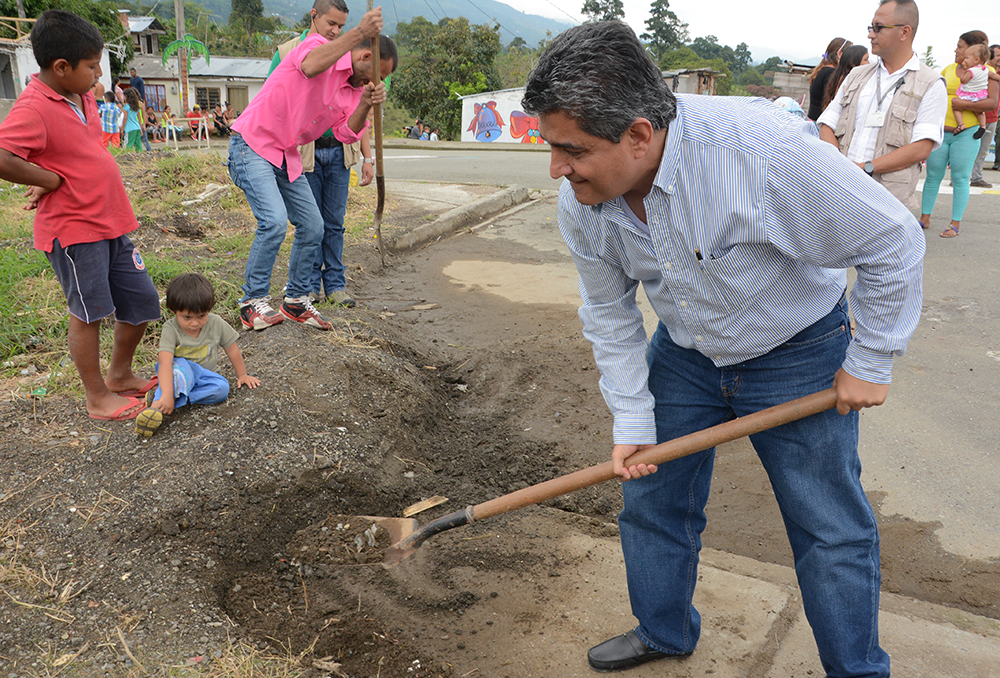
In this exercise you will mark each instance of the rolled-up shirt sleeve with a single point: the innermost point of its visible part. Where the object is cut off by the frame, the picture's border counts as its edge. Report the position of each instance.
(930, 115)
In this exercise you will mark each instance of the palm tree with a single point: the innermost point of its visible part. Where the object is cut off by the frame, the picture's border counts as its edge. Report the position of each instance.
(183, 48)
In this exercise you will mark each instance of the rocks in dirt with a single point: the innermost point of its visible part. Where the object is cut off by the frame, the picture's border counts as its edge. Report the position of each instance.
(341, 539)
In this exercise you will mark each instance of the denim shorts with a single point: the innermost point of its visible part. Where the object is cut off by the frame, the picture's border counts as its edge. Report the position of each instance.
(105, 277)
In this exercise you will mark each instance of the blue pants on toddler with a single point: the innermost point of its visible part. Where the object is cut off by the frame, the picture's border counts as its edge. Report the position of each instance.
(195, 385)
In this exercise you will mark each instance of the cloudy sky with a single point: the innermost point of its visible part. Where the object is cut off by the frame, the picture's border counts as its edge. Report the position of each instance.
(793, 30)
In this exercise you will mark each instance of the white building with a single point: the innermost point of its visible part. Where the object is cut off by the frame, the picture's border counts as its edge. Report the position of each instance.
(497, 116)
(233, 79)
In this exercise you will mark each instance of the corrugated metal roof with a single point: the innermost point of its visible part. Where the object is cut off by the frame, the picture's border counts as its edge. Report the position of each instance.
(138, 24)
(150, 66)
(230, 67)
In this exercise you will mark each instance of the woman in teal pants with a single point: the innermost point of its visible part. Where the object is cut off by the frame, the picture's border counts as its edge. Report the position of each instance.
(959, 148)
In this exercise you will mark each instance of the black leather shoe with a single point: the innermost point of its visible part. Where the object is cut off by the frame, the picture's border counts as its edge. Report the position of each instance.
(623, 652)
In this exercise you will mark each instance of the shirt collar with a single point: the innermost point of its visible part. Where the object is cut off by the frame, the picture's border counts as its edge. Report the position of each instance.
(669, 163)
(37, 83)
(912, 65)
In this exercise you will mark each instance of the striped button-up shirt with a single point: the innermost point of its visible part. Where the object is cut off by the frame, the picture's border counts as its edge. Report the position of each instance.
(751, 224)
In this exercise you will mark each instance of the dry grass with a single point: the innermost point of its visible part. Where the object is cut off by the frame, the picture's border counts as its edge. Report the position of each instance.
(238, 660)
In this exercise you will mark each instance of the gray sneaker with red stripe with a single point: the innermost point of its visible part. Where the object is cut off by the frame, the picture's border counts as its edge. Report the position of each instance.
(257, 314)
(301, 309)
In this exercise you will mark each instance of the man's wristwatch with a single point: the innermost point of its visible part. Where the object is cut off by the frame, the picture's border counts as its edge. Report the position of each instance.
(869, 168)
(370, 161)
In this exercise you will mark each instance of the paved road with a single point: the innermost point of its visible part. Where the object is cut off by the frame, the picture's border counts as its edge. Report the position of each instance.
(932, 449)
(474, 166)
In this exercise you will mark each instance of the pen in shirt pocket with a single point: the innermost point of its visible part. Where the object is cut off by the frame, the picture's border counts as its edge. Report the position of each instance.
(699, 257)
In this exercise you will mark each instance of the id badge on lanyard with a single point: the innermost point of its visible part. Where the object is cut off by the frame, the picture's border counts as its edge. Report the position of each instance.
(876, 118)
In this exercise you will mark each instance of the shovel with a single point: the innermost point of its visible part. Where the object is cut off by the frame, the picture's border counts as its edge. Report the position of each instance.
(409, 537)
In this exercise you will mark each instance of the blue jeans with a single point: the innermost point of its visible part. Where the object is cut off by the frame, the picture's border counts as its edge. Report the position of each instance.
(195, 385)
(275, 201)
(330, 182)
(814, 470)
(145, 140)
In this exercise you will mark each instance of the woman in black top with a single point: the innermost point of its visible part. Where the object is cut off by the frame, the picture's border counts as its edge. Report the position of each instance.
(220, 123)
(855, 55)
(821, 74)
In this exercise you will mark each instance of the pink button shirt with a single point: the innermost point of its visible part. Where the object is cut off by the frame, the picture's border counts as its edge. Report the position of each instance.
(292, 110)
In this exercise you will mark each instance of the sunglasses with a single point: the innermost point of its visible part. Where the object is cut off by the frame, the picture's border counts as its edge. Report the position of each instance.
(877, 28)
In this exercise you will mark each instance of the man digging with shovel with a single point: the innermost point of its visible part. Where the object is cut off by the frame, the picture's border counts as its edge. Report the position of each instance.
(740, 223)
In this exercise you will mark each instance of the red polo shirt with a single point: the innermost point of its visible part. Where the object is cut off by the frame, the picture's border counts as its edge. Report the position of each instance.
(91, 204)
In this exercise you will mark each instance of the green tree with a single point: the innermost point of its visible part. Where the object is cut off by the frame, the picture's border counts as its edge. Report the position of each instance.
(743, 58)
(514, 65)
(248, 15)
(751, 76)
(439, 60)
(518, 44)
(102, 13)
(774, 63)
(680, 57)
(663, 29)
(603, 10)
(708, 47)
(928, 58)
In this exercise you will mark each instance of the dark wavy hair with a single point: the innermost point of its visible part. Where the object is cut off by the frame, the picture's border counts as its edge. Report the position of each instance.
(600, 74)
(849, 58)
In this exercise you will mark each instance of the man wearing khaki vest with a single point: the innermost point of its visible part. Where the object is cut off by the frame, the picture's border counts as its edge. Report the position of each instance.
(888, 116)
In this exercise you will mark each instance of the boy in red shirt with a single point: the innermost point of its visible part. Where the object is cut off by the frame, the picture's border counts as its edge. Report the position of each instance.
(51, 142)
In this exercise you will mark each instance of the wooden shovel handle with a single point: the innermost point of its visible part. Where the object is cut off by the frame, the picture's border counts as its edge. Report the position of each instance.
(664, 452)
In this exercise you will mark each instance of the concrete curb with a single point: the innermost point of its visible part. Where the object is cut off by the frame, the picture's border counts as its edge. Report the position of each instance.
(456, 218)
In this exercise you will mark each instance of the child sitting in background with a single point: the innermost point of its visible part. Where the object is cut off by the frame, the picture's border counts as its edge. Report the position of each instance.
(189, 348)
(975, 76)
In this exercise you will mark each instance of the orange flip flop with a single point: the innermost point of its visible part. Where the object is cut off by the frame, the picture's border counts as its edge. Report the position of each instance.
(123, 413)
(150, 386)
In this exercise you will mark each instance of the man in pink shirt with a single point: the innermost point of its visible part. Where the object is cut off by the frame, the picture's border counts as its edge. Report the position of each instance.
(320, 85)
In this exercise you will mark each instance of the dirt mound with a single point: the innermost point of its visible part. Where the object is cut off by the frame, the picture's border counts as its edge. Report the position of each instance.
(225, 523)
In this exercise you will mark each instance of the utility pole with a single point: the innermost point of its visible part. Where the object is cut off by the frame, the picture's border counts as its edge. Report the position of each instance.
(181, 53)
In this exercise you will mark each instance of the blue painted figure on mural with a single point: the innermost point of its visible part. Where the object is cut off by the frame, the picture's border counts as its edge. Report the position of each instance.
(487, 123)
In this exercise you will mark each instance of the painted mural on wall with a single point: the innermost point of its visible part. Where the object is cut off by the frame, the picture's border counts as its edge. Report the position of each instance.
(487, 124)
(497, 116)
(525, 128)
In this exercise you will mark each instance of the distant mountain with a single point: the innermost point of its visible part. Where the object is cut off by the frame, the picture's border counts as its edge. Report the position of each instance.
(513, 23)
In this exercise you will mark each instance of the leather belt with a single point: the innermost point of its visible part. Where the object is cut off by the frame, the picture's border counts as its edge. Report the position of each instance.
(328, 142)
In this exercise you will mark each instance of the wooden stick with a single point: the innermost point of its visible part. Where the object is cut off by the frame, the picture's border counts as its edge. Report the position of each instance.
(379, 171)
